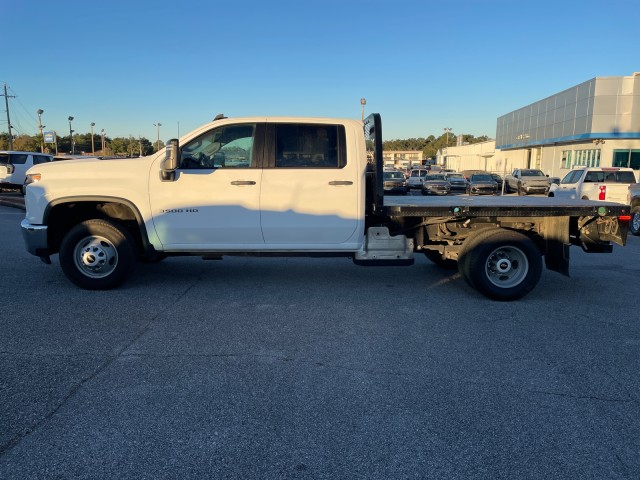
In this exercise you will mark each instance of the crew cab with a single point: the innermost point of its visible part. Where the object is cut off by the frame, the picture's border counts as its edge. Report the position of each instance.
(595, 183)
(526, 181)
(283, 186)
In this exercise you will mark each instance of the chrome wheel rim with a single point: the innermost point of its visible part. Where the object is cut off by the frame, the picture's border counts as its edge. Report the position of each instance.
(635, 222)
(506, 267)
(95, 256)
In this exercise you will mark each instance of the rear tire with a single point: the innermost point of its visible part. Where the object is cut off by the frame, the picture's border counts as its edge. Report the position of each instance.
(634, 224)
(502, 264)
(97, 255)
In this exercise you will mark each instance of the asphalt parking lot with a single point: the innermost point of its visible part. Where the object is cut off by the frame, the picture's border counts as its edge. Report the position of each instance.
(316, 368)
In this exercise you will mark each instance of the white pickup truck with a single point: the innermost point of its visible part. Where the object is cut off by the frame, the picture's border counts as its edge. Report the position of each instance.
(294, 186)
(595, 183)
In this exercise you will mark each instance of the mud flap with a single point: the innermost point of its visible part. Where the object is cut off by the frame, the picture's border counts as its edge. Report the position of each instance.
(555, 231)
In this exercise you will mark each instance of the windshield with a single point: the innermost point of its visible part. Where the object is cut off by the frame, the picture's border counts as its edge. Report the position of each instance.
(430, 178)
(533, 173)
(393, 176)
(481, 178)
(455, 175)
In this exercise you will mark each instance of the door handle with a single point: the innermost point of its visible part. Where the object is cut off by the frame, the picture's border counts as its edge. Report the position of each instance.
(340, 182)
(243, 182)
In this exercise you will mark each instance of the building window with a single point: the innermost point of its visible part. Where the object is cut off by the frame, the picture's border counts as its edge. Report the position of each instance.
(566, 159)
(587, 158)
(627, 158)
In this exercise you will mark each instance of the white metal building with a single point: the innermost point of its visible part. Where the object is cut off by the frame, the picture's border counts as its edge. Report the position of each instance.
(596, 123)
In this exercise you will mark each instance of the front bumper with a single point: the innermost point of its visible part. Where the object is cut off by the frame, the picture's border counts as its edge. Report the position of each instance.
(483, 190)
(35, 239)
(536, 188)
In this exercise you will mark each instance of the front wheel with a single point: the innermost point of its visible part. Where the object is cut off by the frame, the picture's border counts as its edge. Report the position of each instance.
(97, 255)
(634, 224)
(520, 190)
(502, 264)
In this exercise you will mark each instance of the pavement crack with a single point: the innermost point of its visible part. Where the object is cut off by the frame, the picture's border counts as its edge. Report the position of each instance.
(11, 443)
(583, 397)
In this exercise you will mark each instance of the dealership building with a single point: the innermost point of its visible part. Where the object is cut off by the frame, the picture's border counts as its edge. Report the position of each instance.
(595, 123)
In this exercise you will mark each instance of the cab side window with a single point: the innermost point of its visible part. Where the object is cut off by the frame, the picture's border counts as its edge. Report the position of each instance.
(230, 146)
(310, 146)
(18, 158)
(38, 159)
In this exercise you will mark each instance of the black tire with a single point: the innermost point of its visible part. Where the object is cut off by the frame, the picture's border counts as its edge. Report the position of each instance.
(97, 255)
(521, 192)
(634, 224)
(506, 187)
(502, 264)
(436, 257)
(469, 245)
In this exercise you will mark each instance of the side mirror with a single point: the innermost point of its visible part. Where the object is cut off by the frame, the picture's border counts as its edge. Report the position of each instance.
(170, 162)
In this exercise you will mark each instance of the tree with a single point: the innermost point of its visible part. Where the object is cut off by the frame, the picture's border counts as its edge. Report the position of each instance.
(4, 141)
(25, 143)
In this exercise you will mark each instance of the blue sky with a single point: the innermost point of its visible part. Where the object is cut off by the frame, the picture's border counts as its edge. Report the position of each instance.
(423, 65)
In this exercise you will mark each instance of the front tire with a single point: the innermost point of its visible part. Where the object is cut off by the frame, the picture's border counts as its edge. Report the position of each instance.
(634, 224)
(502, 264)
(97, 255)
(521, 192)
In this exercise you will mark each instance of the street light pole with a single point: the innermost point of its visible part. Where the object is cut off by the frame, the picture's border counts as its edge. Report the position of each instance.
(363, 102)
(73, 146)
(93, 148)
(447, 130)
(40, 112)
(158, 142)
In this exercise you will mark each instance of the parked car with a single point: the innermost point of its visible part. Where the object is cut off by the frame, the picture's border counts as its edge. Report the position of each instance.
(435, 184)
(14, 166)
(482, 184)
(467, 173)
(416, 177)
(609, 184)
(457, 181)
(526, 181)
(394, 182)
(498, 180)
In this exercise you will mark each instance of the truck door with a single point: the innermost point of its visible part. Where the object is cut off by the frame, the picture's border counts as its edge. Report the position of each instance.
(311, 186)
(214, 200)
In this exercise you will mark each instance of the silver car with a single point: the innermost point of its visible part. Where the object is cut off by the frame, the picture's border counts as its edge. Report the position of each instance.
(416, 177)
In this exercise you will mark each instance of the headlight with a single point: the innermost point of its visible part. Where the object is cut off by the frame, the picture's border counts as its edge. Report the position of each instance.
(32, 178)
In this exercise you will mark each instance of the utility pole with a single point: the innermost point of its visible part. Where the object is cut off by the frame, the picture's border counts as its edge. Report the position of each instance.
(40, 112)
(6, 102)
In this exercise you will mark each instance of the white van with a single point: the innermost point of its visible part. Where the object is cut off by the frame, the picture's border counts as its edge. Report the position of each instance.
(14, 166)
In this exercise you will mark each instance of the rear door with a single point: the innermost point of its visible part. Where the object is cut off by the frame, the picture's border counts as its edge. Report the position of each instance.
(310, 186)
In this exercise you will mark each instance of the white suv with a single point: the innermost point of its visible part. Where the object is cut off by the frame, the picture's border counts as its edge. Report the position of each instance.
(14, 166)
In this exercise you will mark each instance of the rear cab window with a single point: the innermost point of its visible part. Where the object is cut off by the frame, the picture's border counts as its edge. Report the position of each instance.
(310, 146)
